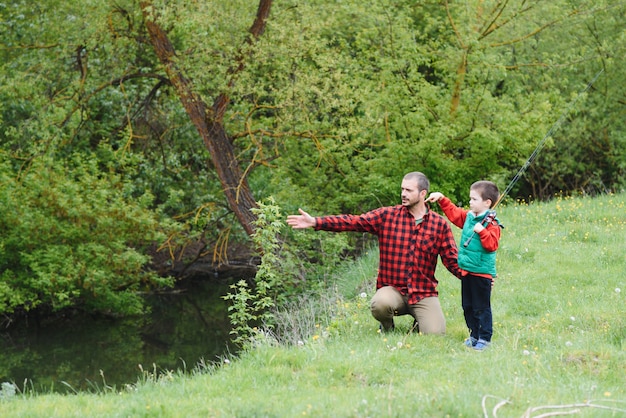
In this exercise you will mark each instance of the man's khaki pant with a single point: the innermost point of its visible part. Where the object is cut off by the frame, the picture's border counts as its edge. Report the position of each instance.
(389, 302)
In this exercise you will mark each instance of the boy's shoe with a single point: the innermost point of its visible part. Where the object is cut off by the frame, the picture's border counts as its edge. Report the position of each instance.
(481, 345)
(470, 342)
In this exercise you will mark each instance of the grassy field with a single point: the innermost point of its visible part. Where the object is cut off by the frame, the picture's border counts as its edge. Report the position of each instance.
(558, 348)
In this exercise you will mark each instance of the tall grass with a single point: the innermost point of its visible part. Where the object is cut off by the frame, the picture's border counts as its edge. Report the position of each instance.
(558, 346)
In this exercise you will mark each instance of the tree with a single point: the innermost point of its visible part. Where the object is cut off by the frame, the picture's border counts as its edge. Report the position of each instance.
(209, 120)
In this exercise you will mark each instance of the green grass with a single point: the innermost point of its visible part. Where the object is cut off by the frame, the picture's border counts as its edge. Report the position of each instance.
(559, 340)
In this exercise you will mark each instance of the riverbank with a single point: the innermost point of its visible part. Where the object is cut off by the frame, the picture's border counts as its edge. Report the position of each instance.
(559, 340)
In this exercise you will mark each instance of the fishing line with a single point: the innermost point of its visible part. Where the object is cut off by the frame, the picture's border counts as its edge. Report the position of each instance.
(541, 144)
(492, 213)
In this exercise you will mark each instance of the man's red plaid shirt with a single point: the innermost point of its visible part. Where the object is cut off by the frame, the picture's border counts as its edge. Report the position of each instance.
(408, 249)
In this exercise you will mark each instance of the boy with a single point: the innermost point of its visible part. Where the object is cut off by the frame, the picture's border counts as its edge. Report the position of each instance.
(477, 257)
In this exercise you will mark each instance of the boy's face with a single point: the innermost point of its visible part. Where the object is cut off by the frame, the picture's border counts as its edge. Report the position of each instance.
(477, 204)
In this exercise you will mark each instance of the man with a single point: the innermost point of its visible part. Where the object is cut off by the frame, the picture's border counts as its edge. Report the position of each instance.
(410, 237)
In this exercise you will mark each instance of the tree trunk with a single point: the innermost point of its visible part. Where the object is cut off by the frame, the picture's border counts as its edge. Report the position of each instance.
(209, 120)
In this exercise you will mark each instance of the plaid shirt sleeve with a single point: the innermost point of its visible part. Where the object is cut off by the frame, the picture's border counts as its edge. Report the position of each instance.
(408, 250)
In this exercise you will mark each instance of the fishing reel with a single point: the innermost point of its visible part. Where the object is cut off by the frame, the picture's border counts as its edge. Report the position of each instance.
(489, 217)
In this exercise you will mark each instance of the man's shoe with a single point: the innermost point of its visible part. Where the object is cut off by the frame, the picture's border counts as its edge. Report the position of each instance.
(470, 342)
(481, 345)
(391, 328)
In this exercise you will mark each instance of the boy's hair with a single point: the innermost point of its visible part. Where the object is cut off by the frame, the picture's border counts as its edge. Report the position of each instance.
(487, 190)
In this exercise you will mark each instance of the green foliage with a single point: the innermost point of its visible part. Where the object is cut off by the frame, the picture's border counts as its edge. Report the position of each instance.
(252, 308)
(241, 312)
(379, 97)
(332, 107)
(100, 84)
(74, 237)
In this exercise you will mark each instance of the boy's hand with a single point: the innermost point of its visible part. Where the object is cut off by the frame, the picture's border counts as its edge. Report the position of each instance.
(478, 227)
(434, 197)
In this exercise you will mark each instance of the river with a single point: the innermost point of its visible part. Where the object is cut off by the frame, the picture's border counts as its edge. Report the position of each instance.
(90, 354)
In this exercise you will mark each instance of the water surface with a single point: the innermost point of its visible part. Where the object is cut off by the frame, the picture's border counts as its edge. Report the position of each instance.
(85, 353)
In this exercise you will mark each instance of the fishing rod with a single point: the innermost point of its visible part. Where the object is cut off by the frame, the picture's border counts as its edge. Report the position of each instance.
(492, 213)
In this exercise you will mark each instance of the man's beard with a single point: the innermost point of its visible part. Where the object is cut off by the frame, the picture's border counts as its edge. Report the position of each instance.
(411, 203)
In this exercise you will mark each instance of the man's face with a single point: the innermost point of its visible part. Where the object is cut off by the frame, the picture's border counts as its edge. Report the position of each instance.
(411, 195)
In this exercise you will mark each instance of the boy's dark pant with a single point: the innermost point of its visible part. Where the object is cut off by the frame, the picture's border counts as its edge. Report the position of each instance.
(476, 302)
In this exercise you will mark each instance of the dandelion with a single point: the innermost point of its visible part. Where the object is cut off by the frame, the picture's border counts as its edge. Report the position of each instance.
(526, 352)
(316, 337)
(300, 343)
(617, 290)
(363, 295)
(568, 344)
(573, 318)
(607, 394)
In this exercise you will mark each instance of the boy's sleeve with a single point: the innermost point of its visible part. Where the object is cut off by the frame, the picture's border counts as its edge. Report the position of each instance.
(455, 214)
(490, 236)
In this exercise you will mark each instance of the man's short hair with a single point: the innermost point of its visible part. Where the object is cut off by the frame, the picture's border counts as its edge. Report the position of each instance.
(420, 178)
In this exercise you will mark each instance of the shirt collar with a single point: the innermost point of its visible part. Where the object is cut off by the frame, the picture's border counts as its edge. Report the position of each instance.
(417, 221)
(480, 215)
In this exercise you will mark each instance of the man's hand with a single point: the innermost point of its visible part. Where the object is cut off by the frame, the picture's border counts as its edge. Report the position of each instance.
(304, 220)
(434, 197)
